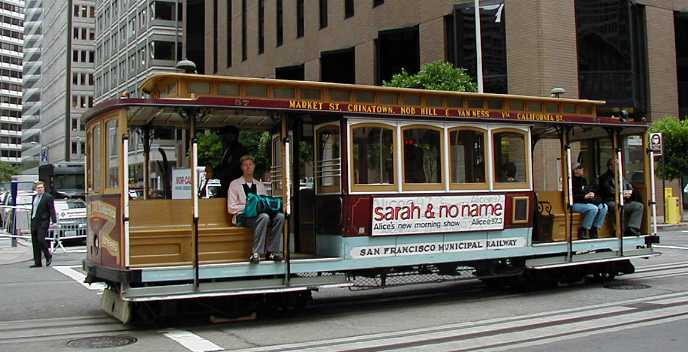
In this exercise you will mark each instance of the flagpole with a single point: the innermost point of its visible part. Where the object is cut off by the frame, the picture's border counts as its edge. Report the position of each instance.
(478, 47)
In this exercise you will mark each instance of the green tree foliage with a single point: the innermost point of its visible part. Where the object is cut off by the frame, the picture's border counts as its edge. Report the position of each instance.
(6, 171)
(209, 149)
(675, 144)
(436, 76)
(257, 143)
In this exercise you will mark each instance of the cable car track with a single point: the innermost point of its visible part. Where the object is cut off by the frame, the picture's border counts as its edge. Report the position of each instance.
(466, 290)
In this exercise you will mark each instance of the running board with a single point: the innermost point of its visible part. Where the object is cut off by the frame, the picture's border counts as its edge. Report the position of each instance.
(588, 258)
(232, 288)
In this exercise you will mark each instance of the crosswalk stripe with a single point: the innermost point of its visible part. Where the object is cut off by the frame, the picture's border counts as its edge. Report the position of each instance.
(79, 277)
(191, 341)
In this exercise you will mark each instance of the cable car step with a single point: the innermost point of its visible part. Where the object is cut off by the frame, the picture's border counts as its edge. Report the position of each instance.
(587, 258)
(232, 288)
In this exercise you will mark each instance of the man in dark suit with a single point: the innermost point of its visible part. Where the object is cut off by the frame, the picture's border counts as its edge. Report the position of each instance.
(42, 214)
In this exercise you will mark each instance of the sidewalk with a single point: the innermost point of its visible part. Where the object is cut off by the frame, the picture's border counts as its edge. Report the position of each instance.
(11, 255)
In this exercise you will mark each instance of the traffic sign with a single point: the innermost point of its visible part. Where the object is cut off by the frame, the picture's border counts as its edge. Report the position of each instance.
(656, 143)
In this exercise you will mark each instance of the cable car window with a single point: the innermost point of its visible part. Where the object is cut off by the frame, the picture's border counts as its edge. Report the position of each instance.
(467, 156)
(510, 157)
(96, 166)
(373, 155)
(328, 162)
(112, 155)
(422, 156)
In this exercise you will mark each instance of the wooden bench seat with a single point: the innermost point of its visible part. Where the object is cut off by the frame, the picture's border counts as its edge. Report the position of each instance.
(160, 233)
(556, 200)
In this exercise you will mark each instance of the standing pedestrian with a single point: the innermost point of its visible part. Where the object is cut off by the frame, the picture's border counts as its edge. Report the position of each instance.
(42, 214)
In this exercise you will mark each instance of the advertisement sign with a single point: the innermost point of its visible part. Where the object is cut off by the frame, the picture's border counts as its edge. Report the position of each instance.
(181, 183)
(437, 248)
(412, 215)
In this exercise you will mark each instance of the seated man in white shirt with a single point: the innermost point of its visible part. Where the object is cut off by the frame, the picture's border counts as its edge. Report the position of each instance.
(236, 202)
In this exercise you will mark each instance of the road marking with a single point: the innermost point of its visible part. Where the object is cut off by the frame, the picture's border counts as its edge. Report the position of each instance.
(79, 277)
(491, 333)
(670, 247)
(192, 341)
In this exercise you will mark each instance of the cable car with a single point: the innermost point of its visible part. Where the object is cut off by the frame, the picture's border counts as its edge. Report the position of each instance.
(374, 181)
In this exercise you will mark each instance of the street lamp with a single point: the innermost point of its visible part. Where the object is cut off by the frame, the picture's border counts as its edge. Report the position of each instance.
(557, 92)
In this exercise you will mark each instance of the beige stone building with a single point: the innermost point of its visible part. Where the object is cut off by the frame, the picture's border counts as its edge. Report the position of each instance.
(628, 52)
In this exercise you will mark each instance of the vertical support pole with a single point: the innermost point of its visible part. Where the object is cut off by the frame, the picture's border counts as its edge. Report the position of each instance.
(146, 161)
(653, 193)
(478, 47)
(619, 193)
(13, 204)
(194, 194)
(569, 195)
(125, 195)
(287, 195)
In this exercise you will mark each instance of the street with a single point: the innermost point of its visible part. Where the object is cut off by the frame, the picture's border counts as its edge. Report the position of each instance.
(50, 309)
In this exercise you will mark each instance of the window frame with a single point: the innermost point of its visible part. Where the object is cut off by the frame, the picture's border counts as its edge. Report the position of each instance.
(439, 186)
(372, 188)
(460, 186)
(527, 184)
(326, 190)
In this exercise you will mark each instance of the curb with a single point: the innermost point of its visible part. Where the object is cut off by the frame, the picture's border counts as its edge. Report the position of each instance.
(672, 227)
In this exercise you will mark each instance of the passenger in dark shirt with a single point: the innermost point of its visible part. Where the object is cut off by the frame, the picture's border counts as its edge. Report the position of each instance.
(633, 207)
(586, 202)
(229, 168)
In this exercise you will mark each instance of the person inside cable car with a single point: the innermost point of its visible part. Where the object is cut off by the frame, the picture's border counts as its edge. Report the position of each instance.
(261, 223)
(587, 203)
(633, 206)
(232, 150)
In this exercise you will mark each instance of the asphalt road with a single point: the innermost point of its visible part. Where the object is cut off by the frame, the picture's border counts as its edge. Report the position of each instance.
(44, 309)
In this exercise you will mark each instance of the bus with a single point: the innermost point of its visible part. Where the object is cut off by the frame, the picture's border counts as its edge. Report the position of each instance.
(63, 180)
(375, 182)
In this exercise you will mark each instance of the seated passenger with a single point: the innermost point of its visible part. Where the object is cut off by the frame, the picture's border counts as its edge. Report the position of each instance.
(633, 207)
(236, 202)
(509, 171)
(209, 175)
(586, 202)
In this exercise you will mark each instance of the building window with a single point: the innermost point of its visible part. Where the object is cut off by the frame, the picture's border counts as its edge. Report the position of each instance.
(243, 30)
(681, 24)
(75, 34)
(348, 8)
(397, 49)
(215, 51)
(612, 50)
(467, 156)
(91, 56)
(377, 3)
(229, 33)
(280, 22)
(75, 55)
(299, 18)
(83, 56)
(510, 157)
(73, 147)
(162, 10)
(493, 35)
(338, 66)
(323, 14)
(373, 157)
(162, 50)
(261, 26)
(422, 155)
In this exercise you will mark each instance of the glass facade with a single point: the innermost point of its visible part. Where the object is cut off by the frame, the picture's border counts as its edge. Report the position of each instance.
(461, 33)
(612, 62)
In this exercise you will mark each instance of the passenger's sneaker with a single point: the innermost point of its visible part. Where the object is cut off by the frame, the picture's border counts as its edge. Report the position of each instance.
(277, 257)
(254, 258)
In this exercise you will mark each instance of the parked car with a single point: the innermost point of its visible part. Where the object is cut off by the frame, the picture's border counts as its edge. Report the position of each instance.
(71, 219)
